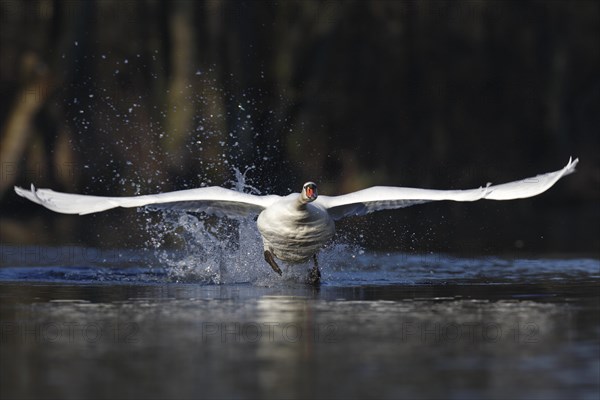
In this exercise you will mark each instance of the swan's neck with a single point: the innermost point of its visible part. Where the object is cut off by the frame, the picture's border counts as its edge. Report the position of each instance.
(301, 203)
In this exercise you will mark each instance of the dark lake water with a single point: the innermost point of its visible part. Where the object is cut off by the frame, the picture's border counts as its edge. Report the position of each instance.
(91, 323)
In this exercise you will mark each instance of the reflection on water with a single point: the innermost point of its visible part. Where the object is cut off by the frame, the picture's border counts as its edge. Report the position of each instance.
(485, 328)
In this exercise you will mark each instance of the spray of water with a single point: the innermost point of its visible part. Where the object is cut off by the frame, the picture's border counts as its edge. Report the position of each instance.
(225, 250)
(229, 130)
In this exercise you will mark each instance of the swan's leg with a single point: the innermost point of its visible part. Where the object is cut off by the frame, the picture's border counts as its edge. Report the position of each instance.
(271, 260)
(314, 276)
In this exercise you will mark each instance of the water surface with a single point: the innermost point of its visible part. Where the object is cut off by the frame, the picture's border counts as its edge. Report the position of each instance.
(90, 323)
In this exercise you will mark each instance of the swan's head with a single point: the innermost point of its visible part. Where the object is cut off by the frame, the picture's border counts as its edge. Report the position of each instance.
(309, 192)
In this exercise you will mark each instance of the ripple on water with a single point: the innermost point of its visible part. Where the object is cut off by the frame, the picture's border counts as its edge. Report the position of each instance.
(341, 264)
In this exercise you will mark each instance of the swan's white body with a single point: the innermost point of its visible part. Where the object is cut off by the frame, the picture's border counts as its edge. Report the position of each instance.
(294, 231)
(293, 227)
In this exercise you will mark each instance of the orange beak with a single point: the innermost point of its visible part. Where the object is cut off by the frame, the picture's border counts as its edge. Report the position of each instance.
(309, 192)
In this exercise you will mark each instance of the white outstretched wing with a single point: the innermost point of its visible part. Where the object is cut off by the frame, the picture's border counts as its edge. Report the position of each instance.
(212, 200)
(384, 198)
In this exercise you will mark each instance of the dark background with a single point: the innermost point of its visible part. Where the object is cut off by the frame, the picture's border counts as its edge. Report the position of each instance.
(122, 97)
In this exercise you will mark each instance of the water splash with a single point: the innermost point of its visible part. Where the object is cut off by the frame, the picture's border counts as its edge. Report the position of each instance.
(195, 247)
(213, 250)
(227, 129)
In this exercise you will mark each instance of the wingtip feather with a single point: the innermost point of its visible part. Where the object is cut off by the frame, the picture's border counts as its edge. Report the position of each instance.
(28, 194)
(570, 167)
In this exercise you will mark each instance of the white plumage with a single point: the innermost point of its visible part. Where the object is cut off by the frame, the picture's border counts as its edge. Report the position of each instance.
(296, 226)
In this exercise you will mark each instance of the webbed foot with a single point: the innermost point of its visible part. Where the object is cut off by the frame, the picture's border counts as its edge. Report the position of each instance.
(271, 260)
(314, 276)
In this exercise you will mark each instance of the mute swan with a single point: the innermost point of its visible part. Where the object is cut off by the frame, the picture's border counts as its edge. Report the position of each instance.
(296, 226)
